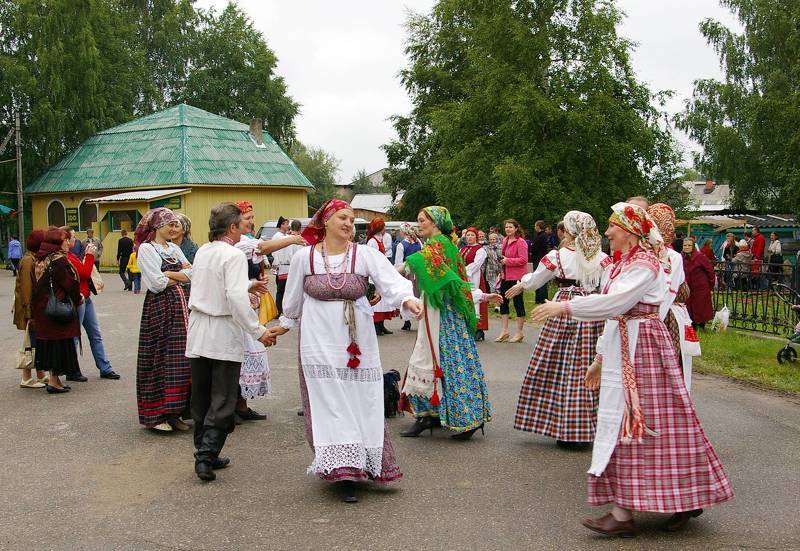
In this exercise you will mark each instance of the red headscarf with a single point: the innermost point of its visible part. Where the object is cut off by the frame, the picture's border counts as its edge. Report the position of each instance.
(376, 225)
(315, 231)
(52, 240)
(152, 220)
(244, 206)
(34, 240)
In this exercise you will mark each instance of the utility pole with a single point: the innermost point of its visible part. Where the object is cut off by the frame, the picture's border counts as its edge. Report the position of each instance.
(20, 203)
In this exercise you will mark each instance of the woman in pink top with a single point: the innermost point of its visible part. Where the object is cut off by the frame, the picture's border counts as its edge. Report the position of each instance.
(515, 265)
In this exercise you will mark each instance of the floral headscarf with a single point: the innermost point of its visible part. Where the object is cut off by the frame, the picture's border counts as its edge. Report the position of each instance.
(441, 218)
(153, 220)
(664, 217)
(315, 231)
(587, 242)
(635, 220)
(245, 207)
(409, 231)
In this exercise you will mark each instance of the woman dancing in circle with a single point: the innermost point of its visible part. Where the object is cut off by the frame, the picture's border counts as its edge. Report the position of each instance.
(650, 452)
(554, 400)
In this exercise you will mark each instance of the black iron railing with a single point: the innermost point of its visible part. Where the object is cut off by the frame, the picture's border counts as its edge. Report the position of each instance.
(750, 302)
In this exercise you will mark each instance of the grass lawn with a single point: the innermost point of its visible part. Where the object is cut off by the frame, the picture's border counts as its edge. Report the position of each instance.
(738, 355)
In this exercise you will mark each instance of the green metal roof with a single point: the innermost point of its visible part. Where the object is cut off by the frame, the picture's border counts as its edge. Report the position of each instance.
(182, 145)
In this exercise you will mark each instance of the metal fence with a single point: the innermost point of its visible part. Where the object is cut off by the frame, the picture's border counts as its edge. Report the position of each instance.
(749, 300)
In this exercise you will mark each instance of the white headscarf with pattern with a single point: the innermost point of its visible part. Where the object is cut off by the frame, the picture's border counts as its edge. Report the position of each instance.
(587, 243)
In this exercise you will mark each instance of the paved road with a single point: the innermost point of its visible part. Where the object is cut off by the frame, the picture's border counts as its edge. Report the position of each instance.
(79, 473)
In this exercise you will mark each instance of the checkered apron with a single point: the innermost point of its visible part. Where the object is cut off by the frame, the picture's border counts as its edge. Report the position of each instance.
(553, 400)
(677, 470)
(163, 374)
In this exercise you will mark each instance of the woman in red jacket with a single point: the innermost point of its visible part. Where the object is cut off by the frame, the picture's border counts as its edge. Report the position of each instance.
(87, 316)
(55, 345)
(515, 265)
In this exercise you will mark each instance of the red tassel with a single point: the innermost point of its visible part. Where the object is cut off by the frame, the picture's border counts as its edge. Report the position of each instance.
(435, 398)
(437, 372)
(353, 362)
(353, 349)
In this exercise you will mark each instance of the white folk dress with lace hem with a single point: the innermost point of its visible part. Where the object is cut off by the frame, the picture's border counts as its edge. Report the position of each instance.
(346, 404)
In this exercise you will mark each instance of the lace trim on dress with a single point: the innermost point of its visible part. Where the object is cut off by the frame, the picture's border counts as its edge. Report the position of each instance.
(361, 375)
(337, 456)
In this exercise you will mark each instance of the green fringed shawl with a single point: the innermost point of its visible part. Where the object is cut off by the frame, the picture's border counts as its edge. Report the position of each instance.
(440, 273)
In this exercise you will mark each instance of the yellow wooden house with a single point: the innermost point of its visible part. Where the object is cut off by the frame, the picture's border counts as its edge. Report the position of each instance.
(183, 158)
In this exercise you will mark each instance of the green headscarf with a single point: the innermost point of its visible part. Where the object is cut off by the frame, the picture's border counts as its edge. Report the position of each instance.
(440, 273)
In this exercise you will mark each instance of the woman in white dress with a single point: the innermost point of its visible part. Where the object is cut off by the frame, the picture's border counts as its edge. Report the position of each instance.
(341, 379)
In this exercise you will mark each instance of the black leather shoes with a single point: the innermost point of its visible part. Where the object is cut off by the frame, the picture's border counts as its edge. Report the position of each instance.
(250, 415)
(348, 489)
(56, 390)
(204, 471)
(79, 378)
(467, 434)
(109, 375)
(220, 463)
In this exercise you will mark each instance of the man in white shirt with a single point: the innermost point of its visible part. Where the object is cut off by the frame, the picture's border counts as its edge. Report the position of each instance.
(220, 313)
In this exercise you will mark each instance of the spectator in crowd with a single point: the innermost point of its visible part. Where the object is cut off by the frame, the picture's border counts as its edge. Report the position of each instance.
(134, 274)
(55, 345)
(742, 263)
(281, 260)
(183, 239)
(78, 248)
(775, 254)
(124, 250)
(87, 316)
(97, 244)
(552, 240)
(493, 266)
(540, 249)
(708, 251)
(482, 238)
(23, 300)
(677, 243)
(728, 252)
(14, 253)
(700, 279)
(515, 265)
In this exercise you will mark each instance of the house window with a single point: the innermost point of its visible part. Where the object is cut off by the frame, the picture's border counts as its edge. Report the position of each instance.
(87, 215)
(56, 215)
(123, 219)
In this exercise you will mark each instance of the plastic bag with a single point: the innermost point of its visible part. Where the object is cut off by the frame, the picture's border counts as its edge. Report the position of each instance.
(721, 319)
(691, 345)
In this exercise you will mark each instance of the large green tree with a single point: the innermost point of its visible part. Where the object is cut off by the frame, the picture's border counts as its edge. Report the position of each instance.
(74, 67)
(233, 75)
(749, 123)
(525, 109)
(320, 167)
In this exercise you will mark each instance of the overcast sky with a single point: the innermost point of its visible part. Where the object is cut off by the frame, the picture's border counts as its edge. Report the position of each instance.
(341, 59)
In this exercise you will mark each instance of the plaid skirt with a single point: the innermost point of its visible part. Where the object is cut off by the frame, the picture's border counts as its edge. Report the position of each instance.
(677, 470)
(163, 374)
(553, 400)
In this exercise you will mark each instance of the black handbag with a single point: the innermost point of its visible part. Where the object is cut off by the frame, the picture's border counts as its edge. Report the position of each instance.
(58, 311)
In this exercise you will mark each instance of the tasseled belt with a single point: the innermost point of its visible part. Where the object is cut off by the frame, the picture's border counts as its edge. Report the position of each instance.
(633, 423)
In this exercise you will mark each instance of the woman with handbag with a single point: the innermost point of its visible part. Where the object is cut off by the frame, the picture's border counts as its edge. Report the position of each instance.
(56, 297)
(23, 298)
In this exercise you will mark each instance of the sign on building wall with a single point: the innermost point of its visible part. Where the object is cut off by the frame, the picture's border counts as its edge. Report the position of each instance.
(170, 203)
(72, 218)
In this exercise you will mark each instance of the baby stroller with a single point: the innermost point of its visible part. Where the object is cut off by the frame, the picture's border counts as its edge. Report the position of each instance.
(789, 296)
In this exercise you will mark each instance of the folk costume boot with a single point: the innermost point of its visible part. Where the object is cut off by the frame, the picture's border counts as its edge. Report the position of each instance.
(406, 326)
